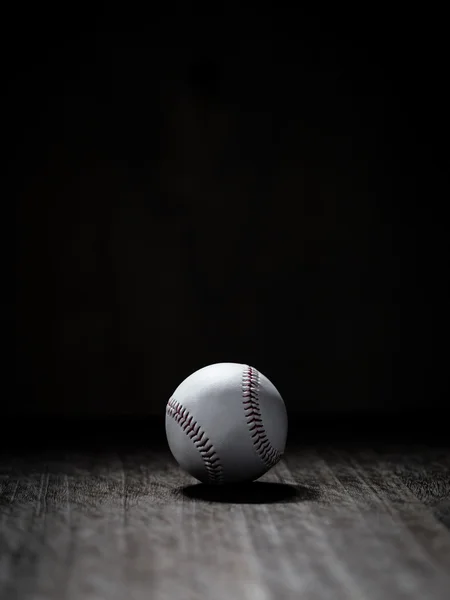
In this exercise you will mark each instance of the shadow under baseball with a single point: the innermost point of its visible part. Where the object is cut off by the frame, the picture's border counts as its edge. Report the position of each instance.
(257, 492)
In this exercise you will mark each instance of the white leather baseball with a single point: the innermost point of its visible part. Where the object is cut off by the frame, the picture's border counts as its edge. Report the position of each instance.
(226, 423)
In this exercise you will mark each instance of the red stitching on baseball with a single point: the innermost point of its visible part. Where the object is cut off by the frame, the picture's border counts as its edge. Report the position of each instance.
(197, 435)
(250, 386)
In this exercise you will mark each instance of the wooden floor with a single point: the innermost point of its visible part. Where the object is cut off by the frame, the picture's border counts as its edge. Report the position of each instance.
(328, 522)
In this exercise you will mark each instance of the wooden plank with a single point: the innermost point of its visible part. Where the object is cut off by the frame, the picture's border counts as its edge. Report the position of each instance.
(325, 522)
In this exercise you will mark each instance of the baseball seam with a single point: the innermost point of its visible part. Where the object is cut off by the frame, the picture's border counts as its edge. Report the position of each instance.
(250, 390)
(193, 430)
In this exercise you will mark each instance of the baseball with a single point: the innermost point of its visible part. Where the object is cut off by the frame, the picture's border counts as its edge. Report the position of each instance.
(226, 423)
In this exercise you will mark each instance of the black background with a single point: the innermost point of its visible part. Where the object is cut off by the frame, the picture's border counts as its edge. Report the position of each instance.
(250, 185)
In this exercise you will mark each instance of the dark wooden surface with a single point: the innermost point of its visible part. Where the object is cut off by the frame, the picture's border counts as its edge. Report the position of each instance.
(339, 521)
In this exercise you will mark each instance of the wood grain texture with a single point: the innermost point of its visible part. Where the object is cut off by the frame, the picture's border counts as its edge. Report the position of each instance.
(326, 522)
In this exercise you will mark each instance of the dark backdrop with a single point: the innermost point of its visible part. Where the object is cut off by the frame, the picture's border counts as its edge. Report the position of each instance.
(249, 186)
